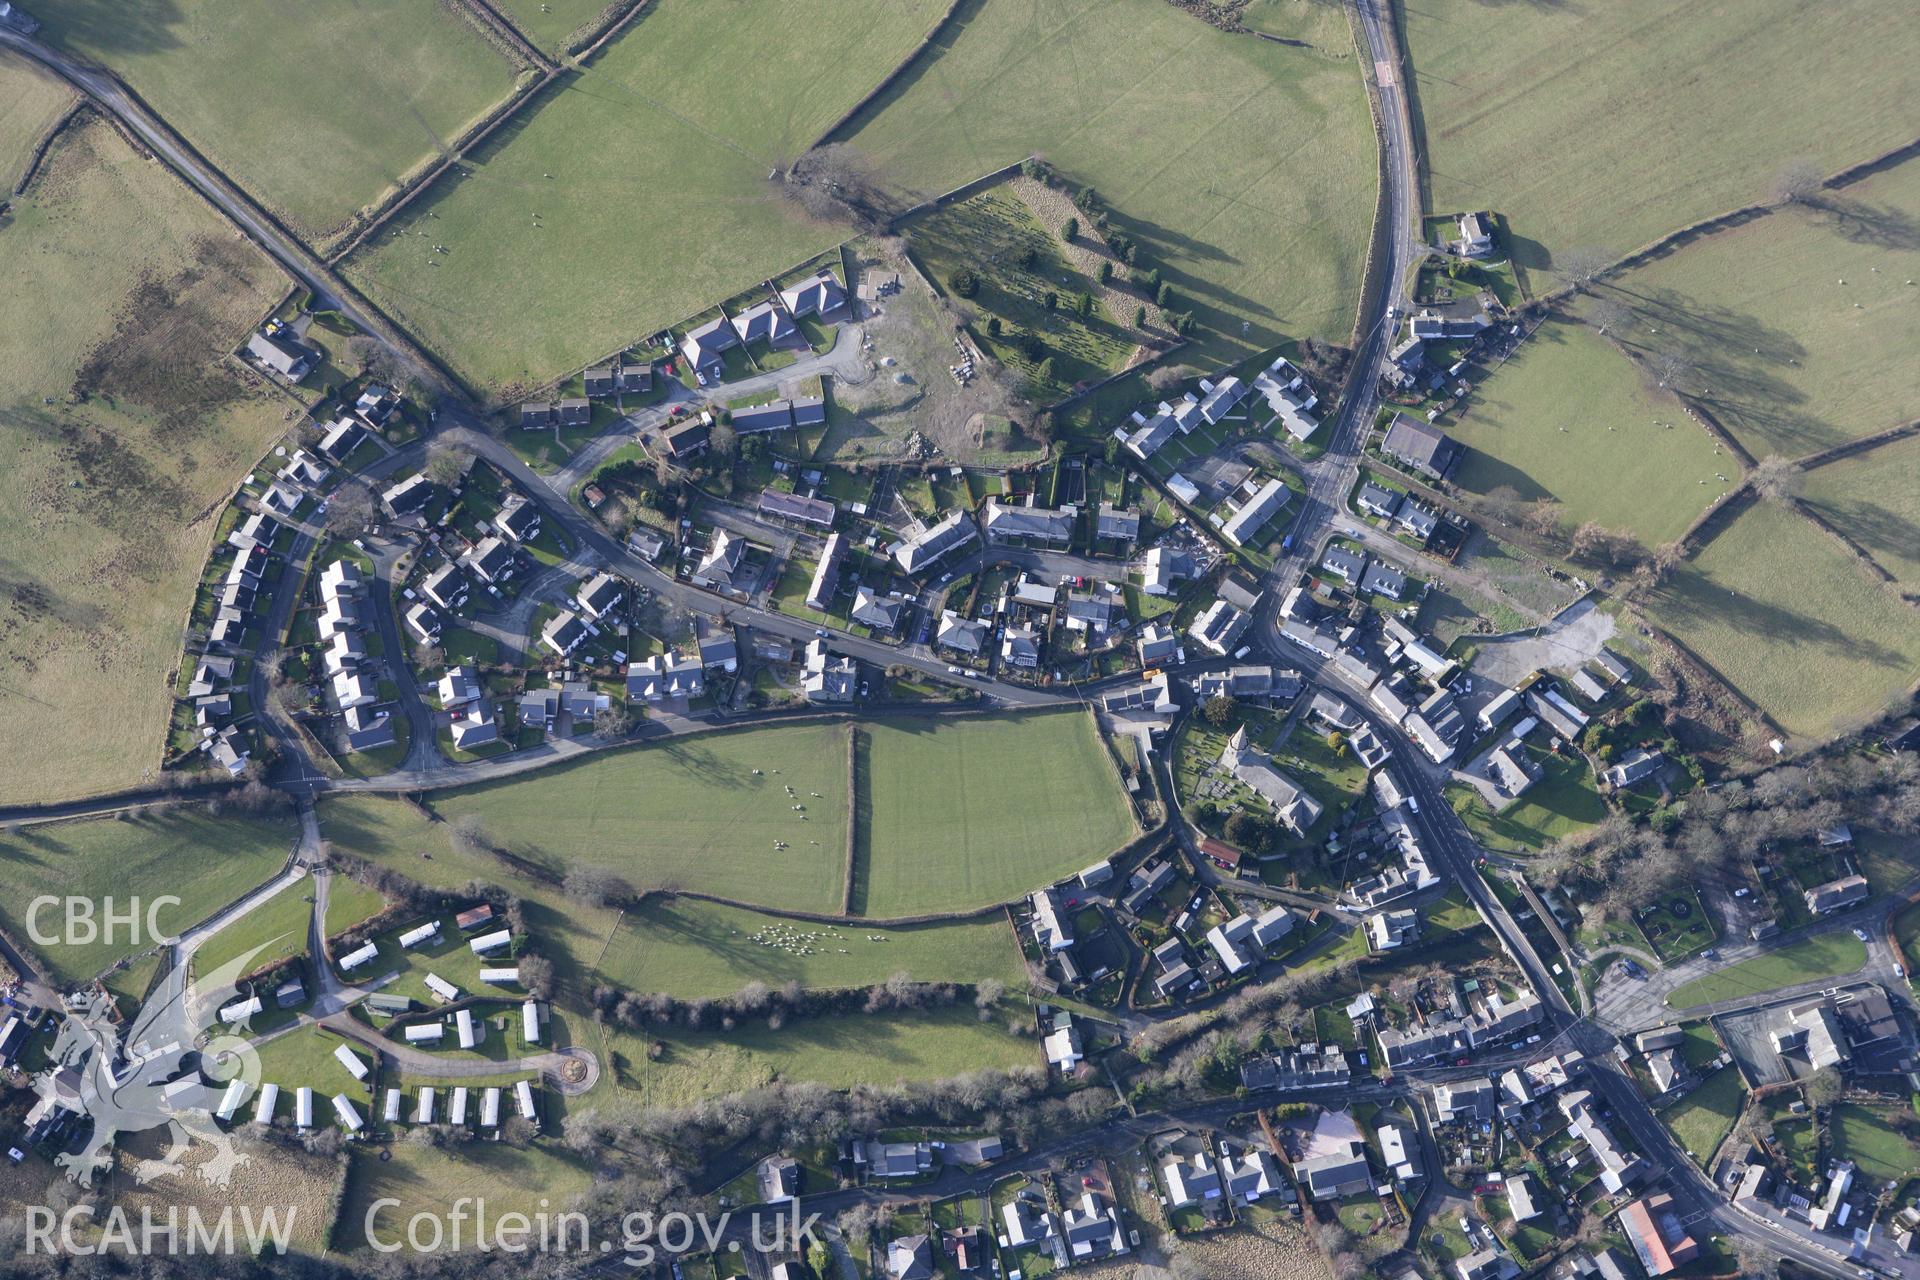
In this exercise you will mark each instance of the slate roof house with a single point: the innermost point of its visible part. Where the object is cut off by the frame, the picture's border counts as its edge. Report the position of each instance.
(935, 543)
(704, 345)
(962, 635)
(1421, 445)
(600, 594)
(765, 322)
(564, 633)
(287, 358)
(519, 518)
(817, 295)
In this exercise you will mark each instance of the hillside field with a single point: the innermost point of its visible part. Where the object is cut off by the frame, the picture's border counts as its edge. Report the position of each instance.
(659, 203)
(1244, 168)
(1874, 498)
(315, 109)
(31, 99)
(109, 494)
(1790, 619)
(1608, 126)
(1570, 417)
(542, 1178)
(960, 814)
(1801, 324)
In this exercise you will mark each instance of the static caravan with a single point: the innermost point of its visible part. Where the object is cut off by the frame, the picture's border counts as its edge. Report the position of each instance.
(424, 1033)
(230, 1101)
(523, 1094)
(425, 1114)
(357, 957)
(351, 1061)
(445, 991)
(490, 1108)
(349, 1115)
(241, 1009)
(463, 1023)
(263, 1109)
(421, 933)
(530, 1021)
(303, 1107)
(391, 1114)
(491, 941)
(500, 977)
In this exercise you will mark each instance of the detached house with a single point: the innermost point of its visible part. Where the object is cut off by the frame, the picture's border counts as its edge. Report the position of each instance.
(705, 345)
(519, 519)
(1422, 446)
(765, 322)
(491, 560)
(280, 355)
(564, 633)
(818, 295)
(446, 587)
(600, 595)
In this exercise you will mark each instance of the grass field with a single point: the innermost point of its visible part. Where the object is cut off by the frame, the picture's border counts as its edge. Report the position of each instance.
(1791, 620)
(275, 930)
(1874, 498)
(658, 204)
(965, 813)
(1828, 955)
(109, 495)
(303, 1058)
(548, 23)
(1507, 98)
(1795, 359)
(30, 101)
(687, 814)
(693, 949)
(1702, 1119)
(315, 110)
(1155, 110)
(1571, 418)
(348, 903)
(297, 1187)
(838, 1052)
(430, 1180)
(203, 861)
(1864, 1137)
(1562, 802)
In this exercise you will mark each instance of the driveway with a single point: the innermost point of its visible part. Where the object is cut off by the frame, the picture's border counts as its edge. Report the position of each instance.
(1569, 641)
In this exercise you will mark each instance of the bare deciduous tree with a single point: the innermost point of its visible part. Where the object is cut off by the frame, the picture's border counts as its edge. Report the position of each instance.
(1776, 478)
(612, 722)
(1582, 267)
(1611, 316)
(350, 509)
(1797, 182)
(1672, 369)
(446, 464)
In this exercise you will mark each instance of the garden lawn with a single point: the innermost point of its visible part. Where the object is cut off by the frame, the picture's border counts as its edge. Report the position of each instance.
(203, 861)
(107, 506)
(1507, 99)
(1864, 1137)
(1793, 621)
(435, 1181)
(273, 931)
(316, 108)
(1800, 322)
(961, 813)
(658, 204)
(303, 1057)
(1561, 803)
(691, 814)
(692, 949)
(838, 1052)
(31, 99)
(1702, 1119)
(1828, 955)
(1571, 418)
(1160, 112)
(1874, 498)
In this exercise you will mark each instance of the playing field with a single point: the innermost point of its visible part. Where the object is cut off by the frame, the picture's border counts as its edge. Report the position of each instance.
(315, 109)
(30, 101)
(838, 1052)
(1793, 621)
(205, 862)
(109, 493)
(638, 193)
(1609, 126)
(1828, 955)
(703, 814)
(434, 1180)
(964, 813)
(1571, 418)
(1800, 323)
(1159, 112)
(1874, 498)
(692, 949)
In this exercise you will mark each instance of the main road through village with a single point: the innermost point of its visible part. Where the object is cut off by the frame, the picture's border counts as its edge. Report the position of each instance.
(1328, 482)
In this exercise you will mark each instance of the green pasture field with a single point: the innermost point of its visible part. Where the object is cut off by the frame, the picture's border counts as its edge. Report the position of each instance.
(203, 861)
(1793, 621)
(1508, 101)
(688, 814)
(1571, 418)
(108, 502)
(348, 903)
(659, 202)
(1702, 1119)
(394, 834)
(277, 928)
(1862, 1135)
(1827, 955)
(316, 110)
(692, 949)
(1800, 323)
(1874, 498)
(1156, 111)
(987, 235)
(549, 24)
(839, 1052)
(1562, 802)
(963, 813)
(31, 99)
(542, 1178)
